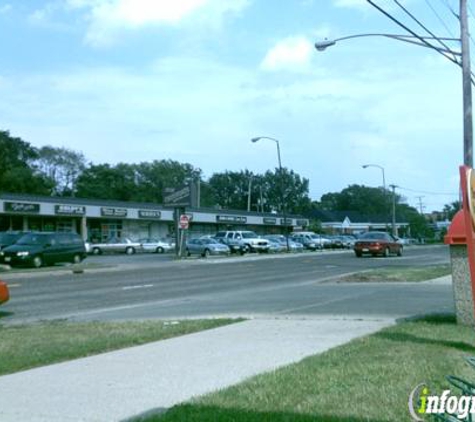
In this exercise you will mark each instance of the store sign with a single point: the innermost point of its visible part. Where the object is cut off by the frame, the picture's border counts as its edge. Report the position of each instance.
(270, 220)
(302, 222)
(150, 214)
(285, 221)
(69, 210)
(230, 219)
(21, 207)
(113, 212)
(183, 196)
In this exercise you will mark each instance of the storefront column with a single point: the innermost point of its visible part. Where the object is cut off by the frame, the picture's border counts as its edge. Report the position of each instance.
(25, 224)
(84, 228)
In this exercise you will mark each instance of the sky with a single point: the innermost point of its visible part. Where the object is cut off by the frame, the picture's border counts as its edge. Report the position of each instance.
(195, 80)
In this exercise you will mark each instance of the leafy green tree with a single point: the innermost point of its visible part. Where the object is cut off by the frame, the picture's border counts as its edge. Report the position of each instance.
(61, 165)
(18, 173)
(230, 189)
(451, 209)
(364, 199)
(152, 178)
(105, 182)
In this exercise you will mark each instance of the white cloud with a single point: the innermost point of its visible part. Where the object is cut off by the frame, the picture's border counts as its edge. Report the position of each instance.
(5, 8)
(110, 17)
(293, 53)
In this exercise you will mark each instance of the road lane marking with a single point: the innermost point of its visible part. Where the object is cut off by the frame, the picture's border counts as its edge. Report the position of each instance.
(14, 285)
(143, 286)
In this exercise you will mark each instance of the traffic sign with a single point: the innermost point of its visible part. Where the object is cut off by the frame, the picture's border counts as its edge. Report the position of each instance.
(184, 222)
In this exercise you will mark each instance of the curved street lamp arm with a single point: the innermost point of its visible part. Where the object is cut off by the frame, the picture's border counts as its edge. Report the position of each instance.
(322, 45)
(421, 39)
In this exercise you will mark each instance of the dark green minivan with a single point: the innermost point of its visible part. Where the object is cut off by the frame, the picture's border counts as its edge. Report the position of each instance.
(44, 248)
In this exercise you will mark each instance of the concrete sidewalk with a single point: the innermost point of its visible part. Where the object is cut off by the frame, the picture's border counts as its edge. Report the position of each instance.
(119, 385)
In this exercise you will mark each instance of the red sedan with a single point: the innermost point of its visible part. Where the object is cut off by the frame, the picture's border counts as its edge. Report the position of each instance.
(377, 243)
(4, 294)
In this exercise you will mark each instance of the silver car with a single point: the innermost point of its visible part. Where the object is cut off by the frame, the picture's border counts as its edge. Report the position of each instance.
(114, 245)
(156, 245)
(206, 247)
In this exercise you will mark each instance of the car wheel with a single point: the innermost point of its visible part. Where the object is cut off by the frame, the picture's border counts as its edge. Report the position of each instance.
(206, 253)
(77, 259)
(160, 250)
(129, 250)
(37, 261)
(399, 252)
(358, 254)
(96, 251)
(386, 252)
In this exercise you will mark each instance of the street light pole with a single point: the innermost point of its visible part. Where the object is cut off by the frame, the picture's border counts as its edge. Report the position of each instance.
(467, 87)
(282, 199)
(384, 187)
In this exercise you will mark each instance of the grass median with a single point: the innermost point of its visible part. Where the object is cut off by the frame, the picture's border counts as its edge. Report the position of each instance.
(399, 274)
(28, 346)
(368, 379)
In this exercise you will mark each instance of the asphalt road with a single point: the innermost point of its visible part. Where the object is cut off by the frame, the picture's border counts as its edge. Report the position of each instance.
(153, 286)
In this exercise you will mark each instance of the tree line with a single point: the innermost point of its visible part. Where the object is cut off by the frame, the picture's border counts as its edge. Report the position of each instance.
(66, 173)
(63, 172)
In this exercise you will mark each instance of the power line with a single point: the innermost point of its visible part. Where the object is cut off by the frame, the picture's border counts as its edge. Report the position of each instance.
(423, 26)
(421, 39)
(428, 192)
(451, 9)
(440, 19)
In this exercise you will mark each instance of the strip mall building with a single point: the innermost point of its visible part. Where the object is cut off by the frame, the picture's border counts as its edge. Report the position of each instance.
(100, 220)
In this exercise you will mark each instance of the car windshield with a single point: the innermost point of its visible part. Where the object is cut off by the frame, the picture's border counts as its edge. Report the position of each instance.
(249, 235)
(8, 237)
(33, 239)
(373, 236)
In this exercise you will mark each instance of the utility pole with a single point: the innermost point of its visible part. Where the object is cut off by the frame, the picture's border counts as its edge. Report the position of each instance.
(249, 194)
(467, 87)
(421, 207)
(394, 229)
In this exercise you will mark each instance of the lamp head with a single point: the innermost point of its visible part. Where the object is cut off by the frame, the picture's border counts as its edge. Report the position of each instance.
(365, 166)
(256, 139)
(323, 45)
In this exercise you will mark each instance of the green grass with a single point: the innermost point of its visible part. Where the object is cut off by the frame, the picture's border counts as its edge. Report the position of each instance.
(369, 379)
(28, 346)
(399, 274)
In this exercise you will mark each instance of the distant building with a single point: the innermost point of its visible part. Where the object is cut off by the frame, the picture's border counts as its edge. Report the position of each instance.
(353, 222)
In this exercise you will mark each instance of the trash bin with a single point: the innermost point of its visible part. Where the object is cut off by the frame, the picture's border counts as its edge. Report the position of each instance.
(461, 281)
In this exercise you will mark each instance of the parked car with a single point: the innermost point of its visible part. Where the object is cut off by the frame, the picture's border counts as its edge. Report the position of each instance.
(235, 245)
(377, 243)
(311, 240)
(114, 244)
(280, 238)
(206, 247)
(244, 238)
(44, 248)
(4, 293)
(156, 245)
(275, 246)
(10, 238)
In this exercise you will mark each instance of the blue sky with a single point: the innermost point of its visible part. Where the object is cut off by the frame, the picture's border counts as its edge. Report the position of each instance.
(195, 80)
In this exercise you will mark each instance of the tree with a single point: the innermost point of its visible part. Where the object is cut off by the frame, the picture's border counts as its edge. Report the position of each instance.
(364, 199)
(152, 178)
(105, 182)
(63, 166)
(18, 173)
(230, 189)
(451, 209)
